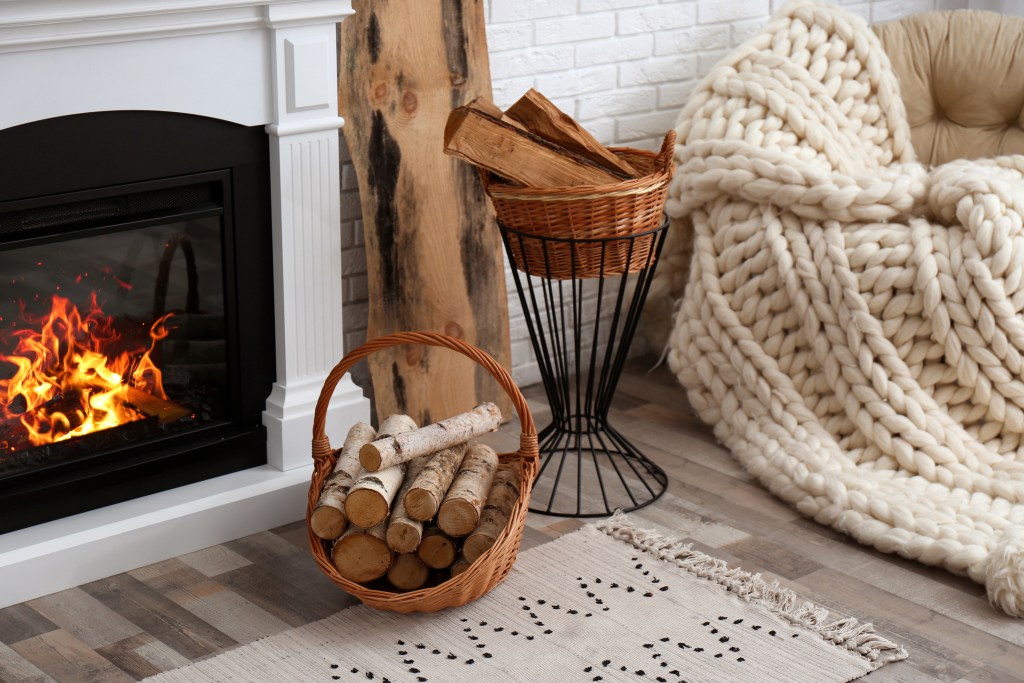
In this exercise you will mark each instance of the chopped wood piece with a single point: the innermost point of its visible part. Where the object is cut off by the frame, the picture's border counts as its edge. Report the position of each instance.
(491, 109)
(426, 493)
(408, 572)
(369, 499)
(436, 549)
(328, 520)
(516, 154)
(460, 565)
(361, 555)
(389, 450)
(500, 500)
(541, 117)
(460, 512)
(404, 531)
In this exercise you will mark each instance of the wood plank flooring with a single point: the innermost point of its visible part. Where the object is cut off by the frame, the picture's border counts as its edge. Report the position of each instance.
(159, 617)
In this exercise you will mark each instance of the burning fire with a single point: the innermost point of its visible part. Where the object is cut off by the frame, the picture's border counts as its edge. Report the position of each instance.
(69, 378)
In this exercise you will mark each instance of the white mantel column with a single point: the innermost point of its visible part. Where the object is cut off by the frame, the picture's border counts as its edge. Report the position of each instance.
(305, 171)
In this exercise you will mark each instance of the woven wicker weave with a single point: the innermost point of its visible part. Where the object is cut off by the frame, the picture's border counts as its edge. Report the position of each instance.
(593, 213)
(491, 567)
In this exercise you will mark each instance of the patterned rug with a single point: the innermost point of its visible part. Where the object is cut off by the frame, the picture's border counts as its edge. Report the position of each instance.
(606, 603)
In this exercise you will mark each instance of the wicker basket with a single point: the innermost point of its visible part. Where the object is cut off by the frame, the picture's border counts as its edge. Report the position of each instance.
(591, 222)
(490, 568)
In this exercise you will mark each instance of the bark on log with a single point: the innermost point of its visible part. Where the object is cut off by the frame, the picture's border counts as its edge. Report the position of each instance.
(460, 512)
(369, 499)
(460, 565)
(387, 452)
(436, 549)
(405, 532)
(500, 500)
(426, 493)
(328, 520)
(408, 572)
(362, 555)
(433, 253)
(541, 117)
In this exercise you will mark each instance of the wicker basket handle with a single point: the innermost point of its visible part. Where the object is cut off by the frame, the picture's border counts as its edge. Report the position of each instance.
(322, 446)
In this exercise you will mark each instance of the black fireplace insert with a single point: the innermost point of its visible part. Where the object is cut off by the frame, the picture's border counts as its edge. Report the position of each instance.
(136, 315)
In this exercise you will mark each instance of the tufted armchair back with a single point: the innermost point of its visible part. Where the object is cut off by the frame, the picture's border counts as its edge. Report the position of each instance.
(961, 76)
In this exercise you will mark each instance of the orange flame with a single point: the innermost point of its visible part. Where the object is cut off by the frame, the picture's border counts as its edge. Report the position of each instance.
(68, 380)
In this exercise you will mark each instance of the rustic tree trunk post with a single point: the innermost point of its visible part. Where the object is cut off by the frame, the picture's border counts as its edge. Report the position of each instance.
(460, 512)
(369, 499)
(362, 555)
(500, 500)
(436, 549)
(406, 64)
(427, 491)
(388, 451)
(328, 520)
(408, 572)
(404, 531)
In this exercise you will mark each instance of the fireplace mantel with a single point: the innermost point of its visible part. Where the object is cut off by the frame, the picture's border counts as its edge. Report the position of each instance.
(264, 63)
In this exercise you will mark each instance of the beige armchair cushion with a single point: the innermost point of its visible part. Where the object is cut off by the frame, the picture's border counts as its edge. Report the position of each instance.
(961, 75)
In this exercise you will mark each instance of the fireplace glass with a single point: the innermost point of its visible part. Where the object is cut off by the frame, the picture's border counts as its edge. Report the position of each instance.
(113, 332)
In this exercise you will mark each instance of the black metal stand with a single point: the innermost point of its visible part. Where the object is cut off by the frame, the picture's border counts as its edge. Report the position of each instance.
(581, 324)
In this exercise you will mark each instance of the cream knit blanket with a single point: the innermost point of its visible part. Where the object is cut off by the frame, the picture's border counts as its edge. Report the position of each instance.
(852, 322)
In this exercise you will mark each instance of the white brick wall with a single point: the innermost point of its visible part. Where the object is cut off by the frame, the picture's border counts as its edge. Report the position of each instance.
(622, 68)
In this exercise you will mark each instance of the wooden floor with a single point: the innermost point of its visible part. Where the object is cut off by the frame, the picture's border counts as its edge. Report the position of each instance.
(145, 621)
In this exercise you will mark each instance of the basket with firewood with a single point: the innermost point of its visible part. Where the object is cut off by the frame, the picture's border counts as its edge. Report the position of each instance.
(571, 207)
(418, 518)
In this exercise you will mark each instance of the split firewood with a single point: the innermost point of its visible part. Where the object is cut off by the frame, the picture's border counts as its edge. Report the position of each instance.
(426, 493)
(459, 514)
(369, 500)
(516, 154)
(362, 555)
(491, 109)
(436, 549)
(408, 572)
(460, 565)
(404, 530)
(500, 500)
(541, 117)
(388, 450)
(328, 520)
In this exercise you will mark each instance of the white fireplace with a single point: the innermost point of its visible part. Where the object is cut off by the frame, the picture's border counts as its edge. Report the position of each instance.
(264, 63)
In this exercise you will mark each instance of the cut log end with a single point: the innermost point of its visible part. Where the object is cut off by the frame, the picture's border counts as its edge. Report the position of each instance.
(420, 504)
(328, 522)
(408, 572)
(436, 550)
(369, 457)
(366, 508)
(404, 537)
(457, 517)
(361, 557)
(460, 565)
(476, 545)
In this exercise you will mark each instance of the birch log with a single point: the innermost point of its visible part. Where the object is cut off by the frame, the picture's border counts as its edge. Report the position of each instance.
(369, 500)
(387, 452)
(460, 512)
(427, 491)
(362, 555)
(460, 565)
(408, 572)
(405, 532)
(436, 549)
(328, 520)
(500, 500)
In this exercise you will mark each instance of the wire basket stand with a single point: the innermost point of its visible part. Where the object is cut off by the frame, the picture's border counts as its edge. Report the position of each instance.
(582, 299)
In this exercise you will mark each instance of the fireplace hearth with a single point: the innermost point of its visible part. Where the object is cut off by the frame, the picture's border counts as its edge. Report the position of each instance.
(264, 69)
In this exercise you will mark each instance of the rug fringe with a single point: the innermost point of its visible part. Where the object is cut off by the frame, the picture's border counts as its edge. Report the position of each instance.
(849, 633)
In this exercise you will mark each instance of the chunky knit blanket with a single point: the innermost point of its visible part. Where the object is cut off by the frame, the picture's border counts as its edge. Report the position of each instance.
(852, 323)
